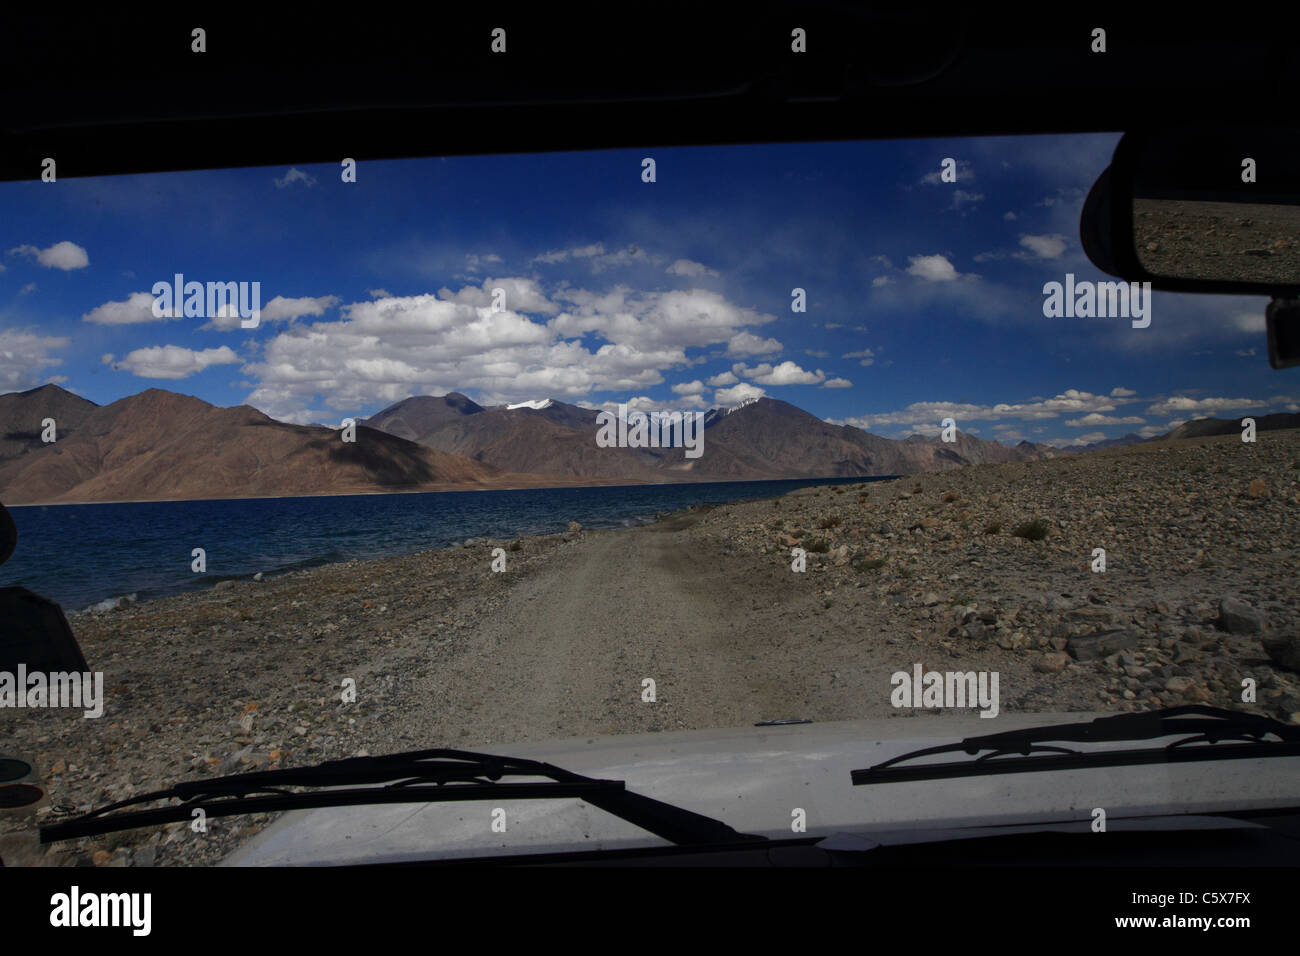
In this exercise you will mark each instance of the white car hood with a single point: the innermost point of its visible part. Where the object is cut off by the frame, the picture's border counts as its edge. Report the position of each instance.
(756, 779)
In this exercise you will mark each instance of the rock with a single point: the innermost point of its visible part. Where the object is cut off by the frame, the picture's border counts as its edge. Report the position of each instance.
(257, 576)
(101, 858)
(1258, 488)
(574, 527)
(930, 599)
(145, 856)
(1051, 662)
(233, 763)
(1283, 649)
(21, 849)
(223, 585)
(1238, 617)
(1286, 705)
(1091, 647)
(839, 556)
(1179, 685)
(1100, 615)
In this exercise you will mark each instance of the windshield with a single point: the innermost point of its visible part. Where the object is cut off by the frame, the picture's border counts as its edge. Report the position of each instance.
(327, 461)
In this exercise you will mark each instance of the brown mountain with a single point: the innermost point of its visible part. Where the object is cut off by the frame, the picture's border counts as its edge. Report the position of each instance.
(766, 438)
(21, 414)
(557, 440)
(1203, 427)
(781, 440)
(416, 419)
(159, 445)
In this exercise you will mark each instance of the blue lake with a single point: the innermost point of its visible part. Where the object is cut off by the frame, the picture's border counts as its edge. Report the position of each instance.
(80, 555)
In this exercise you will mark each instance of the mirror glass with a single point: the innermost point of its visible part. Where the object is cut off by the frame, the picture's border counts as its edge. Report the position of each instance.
(1221, 206)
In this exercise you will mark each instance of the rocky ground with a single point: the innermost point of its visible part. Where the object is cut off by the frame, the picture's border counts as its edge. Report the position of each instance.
(980, 568)
(1240, 242)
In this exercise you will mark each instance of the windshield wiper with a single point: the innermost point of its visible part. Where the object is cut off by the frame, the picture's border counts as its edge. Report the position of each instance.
(1210, 726)
(421, 776)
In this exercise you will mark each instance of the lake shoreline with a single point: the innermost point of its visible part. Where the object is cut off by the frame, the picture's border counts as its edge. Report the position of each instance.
(240, 538)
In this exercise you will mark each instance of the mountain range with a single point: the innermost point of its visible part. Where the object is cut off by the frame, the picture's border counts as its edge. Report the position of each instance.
(160, 445)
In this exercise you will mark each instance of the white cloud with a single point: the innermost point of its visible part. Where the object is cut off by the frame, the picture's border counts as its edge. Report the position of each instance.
(295, 175)
(685, 267)
(172, 361)
(866, 355)
(379, 294)
(689, 388)
(1181, 404)
(1009, 216)
(932, 268)
(881, 280)
(562, 255)
(1071, 401)
(677, 318)
(837, 383)
(22, 357)
(138, 307)
(722, 378)
(277, 310)
(1249, 321)
(520, 295)
(598, 259)
(1122, 392)
(748, 344)
(388, 349)
(30, 287)
(1098, 419)
(962, 198)
(472, 261)
(1087, 439)
(62, 255)
(1045, 247)
(737, 394)
(787, 373)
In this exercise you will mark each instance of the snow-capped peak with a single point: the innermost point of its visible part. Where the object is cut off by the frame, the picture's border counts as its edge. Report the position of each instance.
(738, 407)
(537, 404)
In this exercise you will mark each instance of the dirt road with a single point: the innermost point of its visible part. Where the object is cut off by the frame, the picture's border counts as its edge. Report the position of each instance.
(568, 650)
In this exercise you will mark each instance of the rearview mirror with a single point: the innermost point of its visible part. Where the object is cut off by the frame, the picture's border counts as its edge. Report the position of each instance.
(1197, 210)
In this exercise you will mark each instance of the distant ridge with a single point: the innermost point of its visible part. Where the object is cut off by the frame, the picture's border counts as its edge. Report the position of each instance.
(1204, 427)
(161, 445)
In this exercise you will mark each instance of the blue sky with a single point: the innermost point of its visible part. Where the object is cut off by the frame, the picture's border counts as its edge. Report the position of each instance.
(924, 298)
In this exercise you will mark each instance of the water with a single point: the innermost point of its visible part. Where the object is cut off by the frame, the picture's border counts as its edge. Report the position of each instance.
(80, 555)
